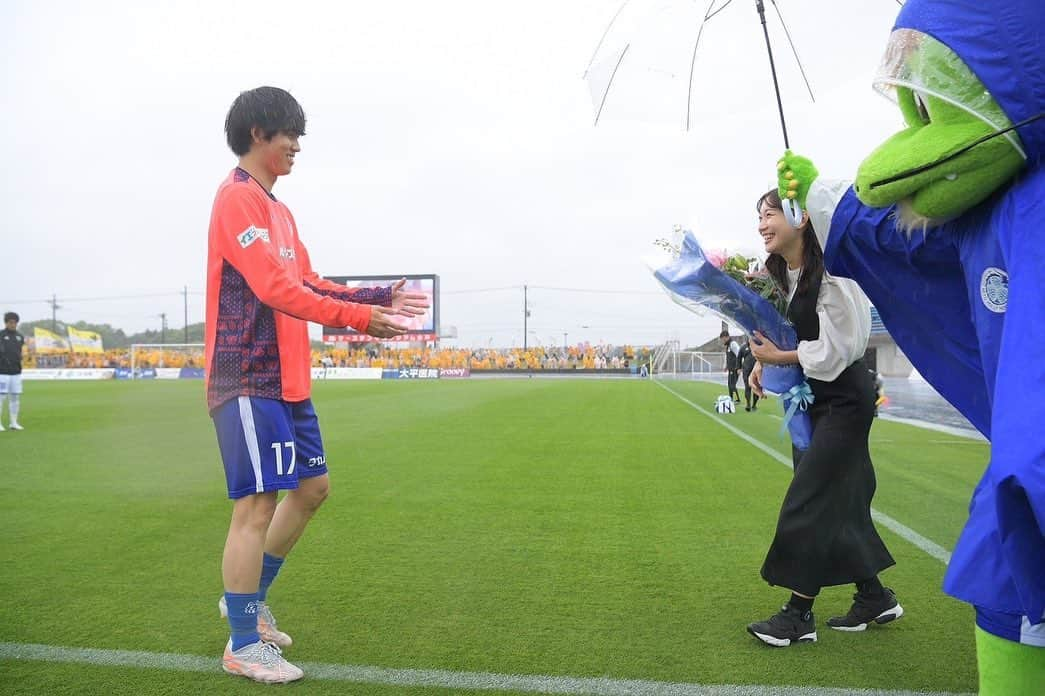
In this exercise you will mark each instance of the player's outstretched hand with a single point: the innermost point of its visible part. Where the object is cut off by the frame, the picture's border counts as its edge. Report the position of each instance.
(408, 304)
(382, 323)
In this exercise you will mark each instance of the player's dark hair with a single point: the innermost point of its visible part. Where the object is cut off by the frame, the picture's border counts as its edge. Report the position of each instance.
(724, 334)
(269, 108)
(812, 254)
(11, 316)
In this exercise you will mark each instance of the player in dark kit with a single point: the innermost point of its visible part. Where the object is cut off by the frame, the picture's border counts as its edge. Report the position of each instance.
(11, 343)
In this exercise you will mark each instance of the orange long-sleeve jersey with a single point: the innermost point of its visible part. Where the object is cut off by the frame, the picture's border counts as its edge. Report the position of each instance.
(261, 292)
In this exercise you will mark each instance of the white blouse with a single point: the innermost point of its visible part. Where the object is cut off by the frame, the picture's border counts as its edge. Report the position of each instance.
(845, 326)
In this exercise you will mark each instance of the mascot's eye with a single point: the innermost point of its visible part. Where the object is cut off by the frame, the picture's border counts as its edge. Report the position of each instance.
(923, 112)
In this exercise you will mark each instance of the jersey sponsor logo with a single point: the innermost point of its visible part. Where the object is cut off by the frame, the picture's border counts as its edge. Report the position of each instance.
(251, 235)
(287, 253)
(994, 289)
(321, 460)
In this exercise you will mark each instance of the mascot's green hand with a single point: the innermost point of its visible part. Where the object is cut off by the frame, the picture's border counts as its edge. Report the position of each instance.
(795, 174)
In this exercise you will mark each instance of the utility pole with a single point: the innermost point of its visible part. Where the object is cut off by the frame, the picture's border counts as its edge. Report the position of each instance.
(185, 293)
(163, 327)
(526, 318)
(54, 313)
(565, 349)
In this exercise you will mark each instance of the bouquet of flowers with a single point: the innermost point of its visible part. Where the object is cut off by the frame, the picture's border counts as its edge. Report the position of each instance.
(742, 292)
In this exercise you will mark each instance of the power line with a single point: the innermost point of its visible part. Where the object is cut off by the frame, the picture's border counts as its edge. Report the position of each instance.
(179, 293)
(200, 293)
(480, 290)
(596, 291)
(127, 297)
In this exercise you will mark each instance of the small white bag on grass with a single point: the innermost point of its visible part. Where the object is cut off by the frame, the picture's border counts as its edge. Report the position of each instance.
(724, 404)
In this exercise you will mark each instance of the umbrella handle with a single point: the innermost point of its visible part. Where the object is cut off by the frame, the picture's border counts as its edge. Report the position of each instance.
(792, 212)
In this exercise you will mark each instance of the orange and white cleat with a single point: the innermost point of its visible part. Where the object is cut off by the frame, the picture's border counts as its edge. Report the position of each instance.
(266, 624)
(261, 661)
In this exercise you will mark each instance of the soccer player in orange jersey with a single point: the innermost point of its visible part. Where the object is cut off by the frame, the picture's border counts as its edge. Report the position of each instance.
(261, 292)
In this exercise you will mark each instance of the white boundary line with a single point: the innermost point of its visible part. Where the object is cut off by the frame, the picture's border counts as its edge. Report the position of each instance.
(968, 433)
(972, 435)
(472, 681)
(928, 546)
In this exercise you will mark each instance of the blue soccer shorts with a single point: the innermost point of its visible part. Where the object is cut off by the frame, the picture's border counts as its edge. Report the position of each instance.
(268, 444)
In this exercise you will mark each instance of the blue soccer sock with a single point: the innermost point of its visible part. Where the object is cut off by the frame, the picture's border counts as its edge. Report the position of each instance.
(270, 566)
(243, 618)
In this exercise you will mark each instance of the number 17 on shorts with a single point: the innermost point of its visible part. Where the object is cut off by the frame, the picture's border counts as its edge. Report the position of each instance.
(258, 445)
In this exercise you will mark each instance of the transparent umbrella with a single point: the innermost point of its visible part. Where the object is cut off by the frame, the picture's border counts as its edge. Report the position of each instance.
(687, 62)
(701, 64)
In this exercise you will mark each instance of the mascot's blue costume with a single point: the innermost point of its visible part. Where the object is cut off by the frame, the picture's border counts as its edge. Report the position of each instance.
(944, 229)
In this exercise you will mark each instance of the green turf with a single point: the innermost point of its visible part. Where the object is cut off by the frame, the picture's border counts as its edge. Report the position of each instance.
(560, 527)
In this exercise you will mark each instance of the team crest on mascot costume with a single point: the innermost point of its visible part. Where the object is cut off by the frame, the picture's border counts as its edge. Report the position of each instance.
(944, 229)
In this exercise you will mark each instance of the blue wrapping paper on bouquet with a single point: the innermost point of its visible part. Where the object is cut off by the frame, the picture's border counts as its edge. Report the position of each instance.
(789, 383)
(695, 283)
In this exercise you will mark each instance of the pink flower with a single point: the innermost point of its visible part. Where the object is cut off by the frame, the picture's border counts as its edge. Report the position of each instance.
(716, 257)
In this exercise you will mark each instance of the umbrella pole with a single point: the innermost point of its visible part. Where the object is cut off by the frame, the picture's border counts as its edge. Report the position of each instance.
(772, 68)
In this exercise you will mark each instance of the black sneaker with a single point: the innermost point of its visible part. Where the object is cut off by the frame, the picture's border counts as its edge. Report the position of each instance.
(866, 610)
(786, 627)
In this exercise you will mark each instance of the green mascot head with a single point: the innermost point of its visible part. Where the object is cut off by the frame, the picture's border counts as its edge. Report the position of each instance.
(928, 169)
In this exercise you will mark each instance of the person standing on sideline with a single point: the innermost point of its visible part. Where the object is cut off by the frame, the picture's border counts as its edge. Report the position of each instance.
(747, 364)
(824, 534)
(11, 343)
(261, 292)
(732, 364)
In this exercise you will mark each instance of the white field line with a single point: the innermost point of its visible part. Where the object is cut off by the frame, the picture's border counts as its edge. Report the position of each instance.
(969, 437)
(928, 546)
(972, 435)
(436, 678)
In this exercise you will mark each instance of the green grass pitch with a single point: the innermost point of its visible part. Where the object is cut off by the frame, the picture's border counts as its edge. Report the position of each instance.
(584, 528)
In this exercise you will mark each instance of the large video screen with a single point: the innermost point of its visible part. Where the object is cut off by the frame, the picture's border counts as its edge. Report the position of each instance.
(422, 328)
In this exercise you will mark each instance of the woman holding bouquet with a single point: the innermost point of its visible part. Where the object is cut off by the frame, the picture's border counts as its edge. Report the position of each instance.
(824, 533)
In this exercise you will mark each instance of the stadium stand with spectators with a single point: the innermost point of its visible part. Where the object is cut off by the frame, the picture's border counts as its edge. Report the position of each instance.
(578, 357)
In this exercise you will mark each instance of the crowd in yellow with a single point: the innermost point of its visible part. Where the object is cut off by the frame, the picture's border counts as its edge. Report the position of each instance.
(118, 357)
(583, 356)
(580, 357)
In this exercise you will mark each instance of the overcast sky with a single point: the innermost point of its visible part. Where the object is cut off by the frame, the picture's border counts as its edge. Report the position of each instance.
(451, 137)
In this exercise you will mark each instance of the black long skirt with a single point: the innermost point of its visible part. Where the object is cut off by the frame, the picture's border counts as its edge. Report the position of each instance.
(825, 535)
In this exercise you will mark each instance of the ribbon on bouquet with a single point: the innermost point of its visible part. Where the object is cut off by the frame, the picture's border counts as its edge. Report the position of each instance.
(798, 398)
